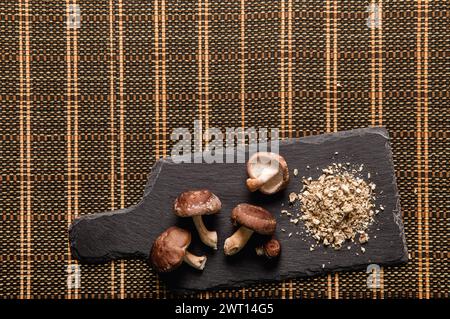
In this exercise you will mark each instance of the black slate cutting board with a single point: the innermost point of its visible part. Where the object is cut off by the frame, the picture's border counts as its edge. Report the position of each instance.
(129, 233)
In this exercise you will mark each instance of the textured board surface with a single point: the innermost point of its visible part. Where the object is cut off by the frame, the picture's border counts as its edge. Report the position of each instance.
(130, 232)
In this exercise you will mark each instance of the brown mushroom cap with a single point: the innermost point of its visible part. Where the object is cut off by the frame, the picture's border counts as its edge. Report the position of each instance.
(260, 161)
(169, 249)
(255, 218)
(196, 203)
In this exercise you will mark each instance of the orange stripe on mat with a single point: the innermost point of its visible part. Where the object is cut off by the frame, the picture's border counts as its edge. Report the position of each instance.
(335, 66)
(242, 28)
(21, 154)
(200, 72)
(242, 97)
(200, 81)
(426, 153)
(380, 102)
(69, 136)
(28, 143)
(335, 101)
(157, 92)
(373, 90)
(328, 95)
(282, 96)
(163, 85)
(289, 92)
(157, 96)
(163, 76)
(282, 75)
(75, 132)
(206, 63)
(206, 67)
(328, 65)
(380, 64)
(290, 57)
(419, 149)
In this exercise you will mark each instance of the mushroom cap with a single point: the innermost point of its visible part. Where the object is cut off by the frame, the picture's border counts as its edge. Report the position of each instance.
(169, 248)
(260, 161)
(255, 218)
(196, 202)
(272, 248)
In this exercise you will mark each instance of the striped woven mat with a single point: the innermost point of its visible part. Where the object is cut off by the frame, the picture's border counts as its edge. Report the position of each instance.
(91, 91)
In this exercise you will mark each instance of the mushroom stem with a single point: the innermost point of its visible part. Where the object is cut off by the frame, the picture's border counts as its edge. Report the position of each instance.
(237, 241)
(198, 262)
(254, 184)
(209, 238)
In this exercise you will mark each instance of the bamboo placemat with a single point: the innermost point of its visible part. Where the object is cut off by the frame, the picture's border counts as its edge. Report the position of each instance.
(87, 106)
